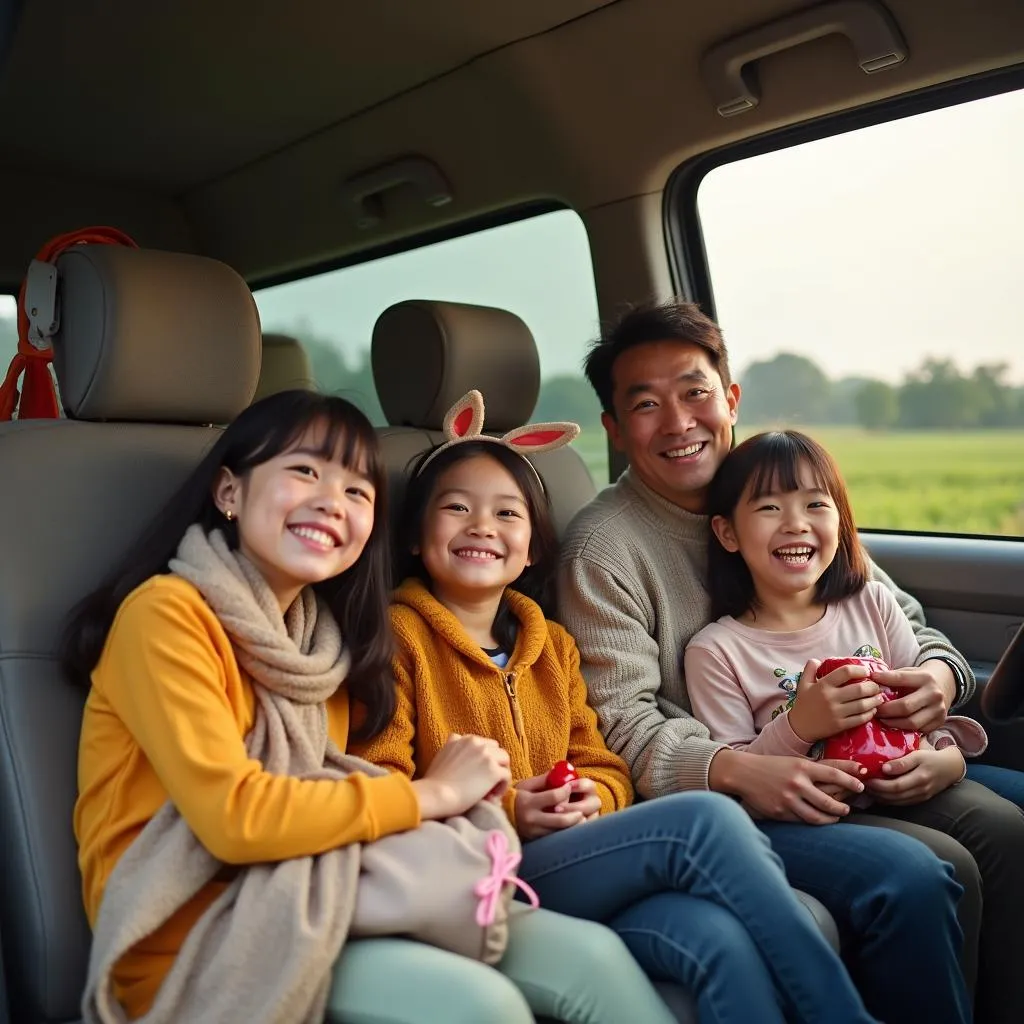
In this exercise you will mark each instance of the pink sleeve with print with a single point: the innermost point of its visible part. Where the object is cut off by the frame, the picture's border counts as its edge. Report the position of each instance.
(716, 671)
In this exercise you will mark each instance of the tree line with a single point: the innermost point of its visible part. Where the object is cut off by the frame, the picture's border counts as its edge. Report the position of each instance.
(935, 396)
(787, 388)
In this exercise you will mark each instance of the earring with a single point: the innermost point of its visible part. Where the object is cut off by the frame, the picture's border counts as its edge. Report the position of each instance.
(229, 515)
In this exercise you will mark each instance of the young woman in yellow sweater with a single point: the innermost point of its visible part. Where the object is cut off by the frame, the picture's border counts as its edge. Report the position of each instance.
(687, 880)
(221, 659)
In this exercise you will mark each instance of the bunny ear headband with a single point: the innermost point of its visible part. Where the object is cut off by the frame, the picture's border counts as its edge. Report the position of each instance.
(464, 421)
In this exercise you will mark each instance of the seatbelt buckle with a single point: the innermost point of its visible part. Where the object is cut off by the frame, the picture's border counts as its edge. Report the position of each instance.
(41, 303)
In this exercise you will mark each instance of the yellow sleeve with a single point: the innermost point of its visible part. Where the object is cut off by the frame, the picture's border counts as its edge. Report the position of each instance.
(164, 677)
(587, 750)
(393, 748)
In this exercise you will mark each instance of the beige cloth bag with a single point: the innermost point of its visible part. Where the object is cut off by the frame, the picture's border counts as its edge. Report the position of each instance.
(263, 951)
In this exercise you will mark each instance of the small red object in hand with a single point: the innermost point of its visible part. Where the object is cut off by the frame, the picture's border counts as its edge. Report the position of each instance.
(560, 774)
(873, 743)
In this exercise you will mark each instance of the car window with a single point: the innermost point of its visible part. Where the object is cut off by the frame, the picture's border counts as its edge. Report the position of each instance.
(539, 268)
(868, 285)
(8, 331)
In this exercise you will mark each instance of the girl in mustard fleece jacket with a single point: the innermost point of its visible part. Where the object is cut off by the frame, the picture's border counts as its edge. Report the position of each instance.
(236, 631)
(687, 880)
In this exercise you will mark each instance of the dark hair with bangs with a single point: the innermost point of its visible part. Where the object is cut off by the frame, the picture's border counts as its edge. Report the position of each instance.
(358, 597)
(535, 580)
(674, 320)
(766, 463)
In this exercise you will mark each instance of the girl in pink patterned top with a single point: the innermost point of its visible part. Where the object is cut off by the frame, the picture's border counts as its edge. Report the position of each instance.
(789, 588)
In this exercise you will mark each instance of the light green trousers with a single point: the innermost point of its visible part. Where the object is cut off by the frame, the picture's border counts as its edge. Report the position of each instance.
(555, 966)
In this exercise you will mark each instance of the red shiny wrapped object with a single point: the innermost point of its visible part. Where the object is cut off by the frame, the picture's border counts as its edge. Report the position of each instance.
(561, 773)
(873, 743)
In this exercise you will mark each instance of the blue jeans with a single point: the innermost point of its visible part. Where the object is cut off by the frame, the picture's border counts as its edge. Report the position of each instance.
(698, 896)
(895, 904)
(982, 835)
(1004, 782)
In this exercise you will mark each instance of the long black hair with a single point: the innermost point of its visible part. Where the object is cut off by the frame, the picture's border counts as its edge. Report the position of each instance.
(765, 463)
(535, 580)
(358, 597)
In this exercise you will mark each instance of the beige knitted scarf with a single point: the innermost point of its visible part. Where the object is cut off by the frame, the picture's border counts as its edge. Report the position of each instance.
(263, 951)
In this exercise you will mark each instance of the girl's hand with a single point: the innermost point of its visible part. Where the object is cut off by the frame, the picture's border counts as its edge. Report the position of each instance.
(465, 771)
(826, 706)
(588, 803)
(918, 776)
(537, 807)
(930, 689)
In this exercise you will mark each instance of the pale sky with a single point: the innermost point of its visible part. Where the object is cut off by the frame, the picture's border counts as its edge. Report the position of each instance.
(539, 268)
(867, 252)
(875, 249)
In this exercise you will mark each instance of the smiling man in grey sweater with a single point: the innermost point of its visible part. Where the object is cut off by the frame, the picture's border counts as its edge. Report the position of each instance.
(632, 592)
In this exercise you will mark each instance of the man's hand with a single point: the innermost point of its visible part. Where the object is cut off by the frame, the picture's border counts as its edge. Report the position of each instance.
(841, 793)
(932, 689)
(792, 788)
(541, 811)
(918, 776)
(843, 699)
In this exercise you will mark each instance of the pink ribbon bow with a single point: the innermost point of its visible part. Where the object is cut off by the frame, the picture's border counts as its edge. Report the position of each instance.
(503, 867)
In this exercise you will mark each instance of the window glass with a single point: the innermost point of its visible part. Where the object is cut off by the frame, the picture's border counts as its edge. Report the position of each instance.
(869, 288)
(539, 268)
(9, 342)
(8, 331)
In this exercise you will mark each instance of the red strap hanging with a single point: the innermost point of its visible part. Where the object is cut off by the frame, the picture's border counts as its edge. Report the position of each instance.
(38, 395)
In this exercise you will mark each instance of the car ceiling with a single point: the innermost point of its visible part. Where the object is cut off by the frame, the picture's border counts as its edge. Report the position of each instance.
(228, 128)
(192, 90)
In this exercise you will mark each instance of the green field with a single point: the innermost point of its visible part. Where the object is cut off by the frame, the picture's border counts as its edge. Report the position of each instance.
(957, 482)
(592, 445)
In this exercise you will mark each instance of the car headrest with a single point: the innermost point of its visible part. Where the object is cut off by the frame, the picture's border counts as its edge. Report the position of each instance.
(427, 355)
(155, 337)
(285, 366)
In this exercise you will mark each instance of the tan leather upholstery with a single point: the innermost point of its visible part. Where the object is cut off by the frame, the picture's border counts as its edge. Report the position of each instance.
(428, 354)
(447, 349)
(142, 333)
(285, 366)
(193, 351)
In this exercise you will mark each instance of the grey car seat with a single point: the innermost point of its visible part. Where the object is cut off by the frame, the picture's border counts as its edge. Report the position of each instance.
(285, 365)
(152, 347)
(426, 355)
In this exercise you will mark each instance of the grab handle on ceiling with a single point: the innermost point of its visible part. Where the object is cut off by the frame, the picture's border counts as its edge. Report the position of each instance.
(362, 192)
(868, 25)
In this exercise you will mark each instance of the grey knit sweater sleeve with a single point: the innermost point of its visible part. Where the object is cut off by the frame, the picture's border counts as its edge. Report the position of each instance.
(666, 748)
(631, 597)
(933, 643)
